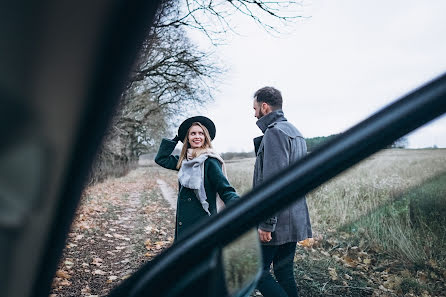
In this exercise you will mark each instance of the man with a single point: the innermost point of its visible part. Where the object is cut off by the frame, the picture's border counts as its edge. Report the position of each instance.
(281, 145)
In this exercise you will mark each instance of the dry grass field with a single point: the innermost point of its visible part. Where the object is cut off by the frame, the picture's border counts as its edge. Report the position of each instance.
(394, 202)
(371, 183)
(379, 228)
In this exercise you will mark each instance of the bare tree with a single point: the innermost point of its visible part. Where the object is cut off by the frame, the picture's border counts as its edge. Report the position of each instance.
(173, 70)
(170, 77)
(213, 17)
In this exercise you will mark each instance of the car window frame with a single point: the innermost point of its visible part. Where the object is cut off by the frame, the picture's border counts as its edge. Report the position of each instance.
(123, 35)
(347, 149)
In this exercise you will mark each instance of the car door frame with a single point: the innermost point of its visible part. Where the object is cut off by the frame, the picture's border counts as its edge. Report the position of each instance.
(357, 143)
(124, 34)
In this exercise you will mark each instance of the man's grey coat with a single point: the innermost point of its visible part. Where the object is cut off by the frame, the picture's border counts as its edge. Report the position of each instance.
(281, 145)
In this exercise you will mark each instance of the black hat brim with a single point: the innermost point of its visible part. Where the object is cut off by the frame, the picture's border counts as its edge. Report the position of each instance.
(184, 127)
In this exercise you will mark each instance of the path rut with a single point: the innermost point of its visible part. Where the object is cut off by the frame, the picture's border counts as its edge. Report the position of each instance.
(167, 193)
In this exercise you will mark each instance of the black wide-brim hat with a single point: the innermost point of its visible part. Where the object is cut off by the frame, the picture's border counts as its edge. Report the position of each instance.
(184, 127)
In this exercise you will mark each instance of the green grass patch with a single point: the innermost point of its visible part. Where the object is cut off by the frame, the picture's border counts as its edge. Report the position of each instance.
(411, 227)
(410, 285)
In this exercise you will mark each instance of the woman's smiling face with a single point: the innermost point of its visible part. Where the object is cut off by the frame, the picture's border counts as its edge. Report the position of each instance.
(196, 136)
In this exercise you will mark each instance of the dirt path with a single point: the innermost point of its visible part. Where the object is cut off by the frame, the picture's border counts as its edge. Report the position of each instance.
(168, 193)
(121, 224)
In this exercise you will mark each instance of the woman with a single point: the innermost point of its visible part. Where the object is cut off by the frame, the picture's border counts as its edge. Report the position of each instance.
(200, 172)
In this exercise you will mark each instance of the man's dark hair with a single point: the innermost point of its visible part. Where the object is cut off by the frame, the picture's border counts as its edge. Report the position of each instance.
(270, 96)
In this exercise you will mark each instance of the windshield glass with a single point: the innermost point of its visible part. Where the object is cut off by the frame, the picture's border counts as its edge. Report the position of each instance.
(382, 226)
(378, 229)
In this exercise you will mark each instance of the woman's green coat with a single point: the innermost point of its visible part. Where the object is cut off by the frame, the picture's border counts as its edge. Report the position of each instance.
(189, 209)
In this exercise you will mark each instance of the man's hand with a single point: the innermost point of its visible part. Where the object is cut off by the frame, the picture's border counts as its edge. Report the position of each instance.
(264, 236)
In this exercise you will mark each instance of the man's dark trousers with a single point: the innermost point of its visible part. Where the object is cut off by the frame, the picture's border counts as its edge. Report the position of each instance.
(282, 257)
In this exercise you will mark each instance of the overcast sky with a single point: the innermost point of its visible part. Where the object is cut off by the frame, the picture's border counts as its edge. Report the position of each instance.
(345, 61)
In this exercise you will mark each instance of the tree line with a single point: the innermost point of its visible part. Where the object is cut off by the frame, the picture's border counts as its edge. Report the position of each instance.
(315, 142)
(312, 144)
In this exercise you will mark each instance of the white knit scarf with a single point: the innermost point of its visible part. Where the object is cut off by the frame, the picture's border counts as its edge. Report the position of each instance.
(191, 175)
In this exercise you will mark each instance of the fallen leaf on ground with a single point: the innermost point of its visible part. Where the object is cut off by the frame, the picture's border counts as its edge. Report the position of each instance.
(62, 274)
(348, 261)
(325, 253)
(65, 283)
(86, 290)
(306, 277)
(97, 261)
(306, 242)
(333, 273)
(99, 272)
(112, 278)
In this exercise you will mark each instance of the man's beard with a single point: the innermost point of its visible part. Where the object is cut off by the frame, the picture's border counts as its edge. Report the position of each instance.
(261, 114)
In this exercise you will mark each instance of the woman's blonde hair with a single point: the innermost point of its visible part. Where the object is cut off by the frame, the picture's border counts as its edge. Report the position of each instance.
(186, 145)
